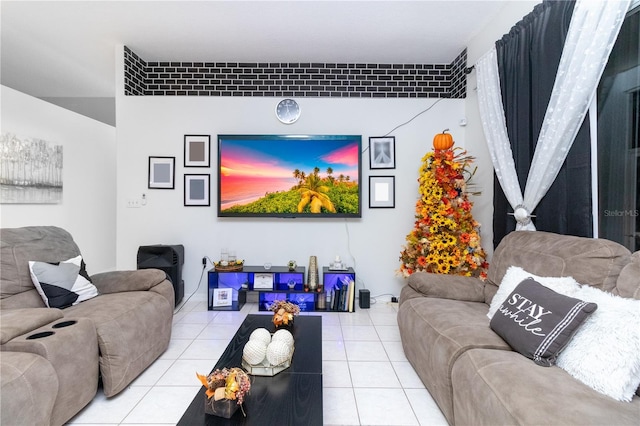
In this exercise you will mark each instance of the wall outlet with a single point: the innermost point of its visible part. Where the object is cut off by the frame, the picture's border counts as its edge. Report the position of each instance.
(133, 203)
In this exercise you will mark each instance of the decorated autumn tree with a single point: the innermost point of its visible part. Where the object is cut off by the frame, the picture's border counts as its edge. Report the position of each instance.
(445, 238)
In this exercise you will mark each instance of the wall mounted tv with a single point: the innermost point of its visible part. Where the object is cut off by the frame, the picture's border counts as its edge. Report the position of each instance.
(289, 176)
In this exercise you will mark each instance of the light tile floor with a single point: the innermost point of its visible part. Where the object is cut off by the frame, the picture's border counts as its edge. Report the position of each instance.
(367, 379)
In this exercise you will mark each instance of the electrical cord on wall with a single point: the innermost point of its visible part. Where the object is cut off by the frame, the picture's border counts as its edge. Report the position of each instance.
(204, 266)
(414, 117)
(408, 121)
(353, 258)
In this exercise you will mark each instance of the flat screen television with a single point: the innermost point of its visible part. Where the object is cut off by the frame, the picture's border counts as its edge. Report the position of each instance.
(289, 176)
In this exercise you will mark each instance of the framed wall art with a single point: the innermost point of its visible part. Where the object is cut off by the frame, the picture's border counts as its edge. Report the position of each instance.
(30, 170)
(382, 192)
(382, 152)
(162, 172)
(197, 150)
(196, 190)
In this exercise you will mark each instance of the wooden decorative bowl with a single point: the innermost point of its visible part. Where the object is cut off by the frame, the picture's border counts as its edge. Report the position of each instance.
(229, 268)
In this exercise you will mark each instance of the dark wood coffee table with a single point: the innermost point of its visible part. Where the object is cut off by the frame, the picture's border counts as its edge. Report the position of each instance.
(292, 397)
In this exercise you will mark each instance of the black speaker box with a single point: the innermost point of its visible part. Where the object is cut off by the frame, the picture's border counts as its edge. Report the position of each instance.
(363, 299)
(168, 258)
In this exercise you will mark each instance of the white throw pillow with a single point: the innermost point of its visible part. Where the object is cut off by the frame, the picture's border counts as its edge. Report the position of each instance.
(62, 284)
(515, 275)
(605, 352)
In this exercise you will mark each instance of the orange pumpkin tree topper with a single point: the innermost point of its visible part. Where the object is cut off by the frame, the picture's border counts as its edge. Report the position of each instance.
(443, 140)
(445, 238)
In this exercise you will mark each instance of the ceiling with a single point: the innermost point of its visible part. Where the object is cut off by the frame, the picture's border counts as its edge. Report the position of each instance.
(66, 49)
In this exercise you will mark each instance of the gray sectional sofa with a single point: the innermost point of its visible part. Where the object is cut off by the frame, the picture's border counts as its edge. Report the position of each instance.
(473, 374)
(51, 360)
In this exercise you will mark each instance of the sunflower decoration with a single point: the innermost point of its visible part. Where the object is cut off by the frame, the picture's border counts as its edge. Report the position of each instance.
(445, 238)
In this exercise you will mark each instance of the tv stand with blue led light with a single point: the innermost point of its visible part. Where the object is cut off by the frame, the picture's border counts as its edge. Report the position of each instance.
(230, 290)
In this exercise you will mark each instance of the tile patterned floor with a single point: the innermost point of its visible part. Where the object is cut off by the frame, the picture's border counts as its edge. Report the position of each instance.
(367, 379)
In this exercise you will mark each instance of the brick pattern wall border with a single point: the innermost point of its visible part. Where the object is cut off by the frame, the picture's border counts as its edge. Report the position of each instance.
(458, 87)
(307, 79)
(135, 74)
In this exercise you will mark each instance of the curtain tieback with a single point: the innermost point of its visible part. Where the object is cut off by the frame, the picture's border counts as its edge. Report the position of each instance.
(522, 215)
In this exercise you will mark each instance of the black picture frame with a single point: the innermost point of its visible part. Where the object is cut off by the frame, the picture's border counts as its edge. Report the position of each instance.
(197, 190)
(382, 192)
(162, 172)
(197, 150)
(382, 152)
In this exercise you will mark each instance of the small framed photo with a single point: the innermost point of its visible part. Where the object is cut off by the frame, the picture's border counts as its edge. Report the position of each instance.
(382, 192)
(197, 150)
(222, 297)
(382, 152)
(162, 172)
(196, 190)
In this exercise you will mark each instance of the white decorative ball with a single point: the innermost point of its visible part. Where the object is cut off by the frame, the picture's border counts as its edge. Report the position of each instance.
(283, 335)
(521, 215)
(278, 352)
(254, 352)
(261, 335)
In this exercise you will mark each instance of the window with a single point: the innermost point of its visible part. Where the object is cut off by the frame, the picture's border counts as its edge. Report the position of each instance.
(618, 138)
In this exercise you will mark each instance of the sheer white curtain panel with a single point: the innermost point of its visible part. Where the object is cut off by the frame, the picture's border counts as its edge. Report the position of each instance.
(495, 131)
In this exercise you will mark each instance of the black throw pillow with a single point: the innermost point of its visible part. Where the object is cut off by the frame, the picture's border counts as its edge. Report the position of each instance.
(538, 322)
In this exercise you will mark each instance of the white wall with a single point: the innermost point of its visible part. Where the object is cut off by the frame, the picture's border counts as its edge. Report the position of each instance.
(512, 12)
(87, 210)
(155, 126)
